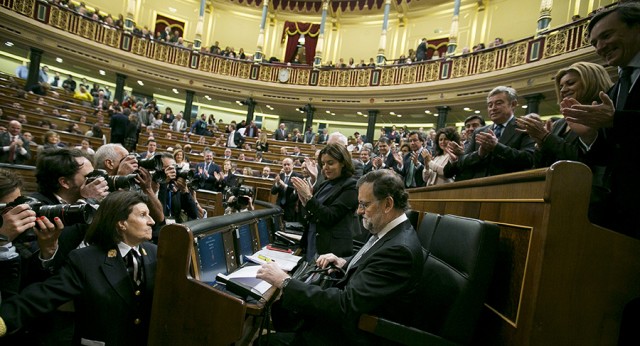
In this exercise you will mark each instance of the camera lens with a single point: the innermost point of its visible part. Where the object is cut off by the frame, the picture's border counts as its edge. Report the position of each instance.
(69, 214)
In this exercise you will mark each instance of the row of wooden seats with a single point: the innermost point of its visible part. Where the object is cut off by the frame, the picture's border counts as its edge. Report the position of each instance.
(62, 100)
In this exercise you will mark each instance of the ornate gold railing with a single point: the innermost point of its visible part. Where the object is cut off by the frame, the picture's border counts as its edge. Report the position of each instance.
(559, 41)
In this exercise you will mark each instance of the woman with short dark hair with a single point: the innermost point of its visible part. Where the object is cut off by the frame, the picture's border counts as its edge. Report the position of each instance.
(110, 281)
(330, 206)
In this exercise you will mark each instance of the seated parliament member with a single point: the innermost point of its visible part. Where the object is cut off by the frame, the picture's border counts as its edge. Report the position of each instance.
(110, 281)
(330, 205)
(379, 278)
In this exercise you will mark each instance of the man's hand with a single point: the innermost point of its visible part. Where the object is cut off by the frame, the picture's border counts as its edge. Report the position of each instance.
(48, 234)
(128, 165)
(17, 220)
(324, 260)
(595, 116)
(377, 162)
(181, 185)
(97, 189)
(271, 273)
(487, 142)
(532, 125)
(170, 172)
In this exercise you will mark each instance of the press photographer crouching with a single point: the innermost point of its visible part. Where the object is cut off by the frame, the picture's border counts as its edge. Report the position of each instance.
(176, 193)
(124, 173)
(238, 199)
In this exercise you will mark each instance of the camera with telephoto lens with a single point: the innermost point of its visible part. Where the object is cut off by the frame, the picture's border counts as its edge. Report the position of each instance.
(155, 167)
(69, 214)
(241, 194)
(115, 182)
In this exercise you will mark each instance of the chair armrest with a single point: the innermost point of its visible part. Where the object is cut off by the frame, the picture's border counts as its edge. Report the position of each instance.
(399, 333)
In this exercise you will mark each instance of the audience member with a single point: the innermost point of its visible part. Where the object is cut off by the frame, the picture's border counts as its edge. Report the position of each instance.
(152, 146)
(471, 123)
(494, 149)
(433, 172)
(206, 172)
(603, 126)
(15, 148)
(283, 187)
(330, 205)
(178, 124)
(281, 133)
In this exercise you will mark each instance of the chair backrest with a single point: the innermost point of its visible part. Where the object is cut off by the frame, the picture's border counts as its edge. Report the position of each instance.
(456, 274)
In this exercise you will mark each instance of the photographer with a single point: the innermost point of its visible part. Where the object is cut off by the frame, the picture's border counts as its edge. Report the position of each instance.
(179, 205)
(16, 220)
(117, 161)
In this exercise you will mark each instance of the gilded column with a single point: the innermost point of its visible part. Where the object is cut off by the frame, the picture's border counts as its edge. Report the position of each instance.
(545, 15)
(317, 61)
(197, 42)
(453, 33)
(129, 20)
(259, 55)
(383, 36)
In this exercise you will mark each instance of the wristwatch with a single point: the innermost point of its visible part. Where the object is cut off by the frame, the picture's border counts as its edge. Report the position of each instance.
(285, 282)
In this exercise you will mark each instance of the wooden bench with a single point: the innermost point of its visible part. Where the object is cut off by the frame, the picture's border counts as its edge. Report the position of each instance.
(559, 280)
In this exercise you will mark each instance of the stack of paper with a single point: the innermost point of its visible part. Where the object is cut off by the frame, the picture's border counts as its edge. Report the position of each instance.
(285, 261)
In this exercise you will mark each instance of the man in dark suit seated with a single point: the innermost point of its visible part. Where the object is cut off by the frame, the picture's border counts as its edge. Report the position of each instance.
(378, 279)
(206, 172)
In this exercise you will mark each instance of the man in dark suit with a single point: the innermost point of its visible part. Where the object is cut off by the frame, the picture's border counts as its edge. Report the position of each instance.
(119, 123)
(324, 136)
(15, 148)
(378, 279)
(251, 130)
(421, 51)
(385, 159)
(365, 157)
(283, 187)
(497, 148)
(207, 172)
(281, 133)
(604, 128)
(236, 139)
(412, 164)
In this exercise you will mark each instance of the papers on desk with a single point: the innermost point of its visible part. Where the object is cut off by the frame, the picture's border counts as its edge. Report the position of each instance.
(285, 261)
(247, 276)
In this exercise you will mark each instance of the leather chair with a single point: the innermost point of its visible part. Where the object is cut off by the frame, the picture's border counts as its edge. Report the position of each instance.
(358, 242)
(455, 279)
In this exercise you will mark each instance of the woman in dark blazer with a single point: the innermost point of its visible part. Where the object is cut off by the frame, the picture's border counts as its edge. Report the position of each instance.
(113, 307)
(330, 210)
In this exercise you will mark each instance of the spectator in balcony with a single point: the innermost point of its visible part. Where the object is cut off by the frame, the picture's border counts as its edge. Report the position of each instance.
(296, 136)
(241, 54)
(421, 51)
(119, 23)
(215, 49)
(84, 95)
(69, 84)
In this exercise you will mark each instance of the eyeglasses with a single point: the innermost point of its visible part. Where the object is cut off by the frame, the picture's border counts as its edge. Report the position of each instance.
(365, 205)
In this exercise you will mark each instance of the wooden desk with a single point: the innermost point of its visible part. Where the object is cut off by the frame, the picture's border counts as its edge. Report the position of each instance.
(187, 311)
(26, 173)
(559, 280)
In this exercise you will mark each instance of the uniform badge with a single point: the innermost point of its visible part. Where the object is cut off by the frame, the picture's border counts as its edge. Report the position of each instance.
(112, 253)
(144, 252)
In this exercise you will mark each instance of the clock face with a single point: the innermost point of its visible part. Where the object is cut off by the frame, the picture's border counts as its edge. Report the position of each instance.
(283, 75)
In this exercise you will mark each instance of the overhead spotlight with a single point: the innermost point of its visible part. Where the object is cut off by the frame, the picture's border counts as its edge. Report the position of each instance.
(175, 91)
(140, 83)
(427, 111)
(239, 103)
(392, 113)
(399, 115)
(328, 112)
(364, 115)
(59, 60)
(333, 113)
(359, 113)
(524, 106)
(477, 112)
(467, 109)
(8, 44)
(207, 97)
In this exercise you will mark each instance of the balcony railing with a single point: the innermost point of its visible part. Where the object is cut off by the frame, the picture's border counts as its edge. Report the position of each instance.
(565, 39)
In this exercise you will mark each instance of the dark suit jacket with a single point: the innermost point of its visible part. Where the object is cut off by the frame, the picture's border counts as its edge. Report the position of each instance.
(513, 153)
(421, 51)
(279, 135)
(322, 139)
(368, 167)
(380, 283)
(289, 207)
(118, 123)
(617, 150)
(417, 171)
(208, 183)
(335, 218)
(5, 141)
(238, 139)
(104, 295)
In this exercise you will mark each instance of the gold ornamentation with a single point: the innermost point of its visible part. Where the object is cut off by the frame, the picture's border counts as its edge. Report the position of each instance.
(112, 253)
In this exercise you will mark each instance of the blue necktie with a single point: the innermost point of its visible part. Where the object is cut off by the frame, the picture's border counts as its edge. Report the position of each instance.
(498, 130)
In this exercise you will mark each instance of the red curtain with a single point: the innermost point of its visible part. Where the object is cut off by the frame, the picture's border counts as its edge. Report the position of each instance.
(437, 47)
(292, 32)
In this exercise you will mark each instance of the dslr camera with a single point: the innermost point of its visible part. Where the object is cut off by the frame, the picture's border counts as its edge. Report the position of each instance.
(115, 182)
(69, 214)
(241, 196)
(154, 166)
